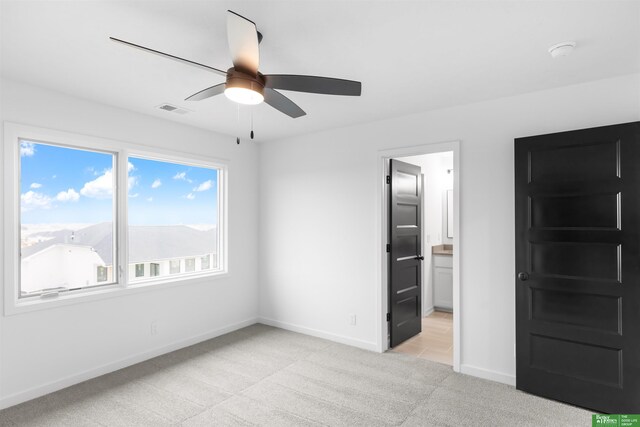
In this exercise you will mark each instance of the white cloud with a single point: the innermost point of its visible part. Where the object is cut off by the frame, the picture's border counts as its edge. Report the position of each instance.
(157, 183)
(149, 199)
(32, 200)
(92, 171)
(190, 196)
(27, 149)
(54, 176)
(99, 188)
(204, 186)
(102, 186)
(182, 176)
(35, 185)
(132, 182)
(70, 195)
(133, 196)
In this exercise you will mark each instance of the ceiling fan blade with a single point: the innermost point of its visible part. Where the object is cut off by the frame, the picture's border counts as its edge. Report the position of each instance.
(207, 93)
(282, 103)
(242, 36)
(313, 84)
(166, 55)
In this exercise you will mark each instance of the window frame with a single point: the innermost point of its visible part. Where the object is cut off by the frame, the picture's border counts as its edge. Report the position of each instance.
(13, 133)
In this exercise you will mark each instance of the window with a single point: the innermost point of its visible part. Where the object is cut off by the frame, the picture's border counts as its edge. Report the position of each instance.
(139, 270)
(205, 262)
(102, 274)
(174, 266)
(67, 220)
(154, 269)
(173, 214)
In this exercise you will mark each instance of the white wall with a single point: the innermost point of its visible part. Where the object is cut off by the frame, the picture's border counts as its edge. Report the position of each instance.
(45, 350)
(318, 198)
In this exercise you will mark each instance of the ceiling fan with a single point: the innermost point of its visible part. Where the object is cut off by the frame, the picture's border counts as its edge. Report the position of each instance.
(246, 85)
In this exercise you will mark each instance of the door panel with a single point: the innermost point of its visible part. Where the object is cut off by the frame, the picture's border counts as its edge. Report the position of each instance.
(599, 312)
(405, 267)
(579, 211)
(577, 250)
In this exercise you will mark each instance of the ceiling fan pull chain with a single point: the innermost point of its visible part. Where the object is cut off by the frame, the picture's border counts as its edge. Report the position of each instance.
(251, 124)
(238, 138)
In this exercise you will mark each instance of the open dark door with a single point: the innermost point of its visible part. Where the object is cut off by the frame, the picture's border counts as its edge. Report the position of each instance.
(405, 262)
(578, 267)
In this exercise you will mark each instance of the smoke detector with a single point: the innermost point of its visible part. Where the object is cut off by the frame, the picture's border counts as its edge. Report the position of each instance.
(561, 49)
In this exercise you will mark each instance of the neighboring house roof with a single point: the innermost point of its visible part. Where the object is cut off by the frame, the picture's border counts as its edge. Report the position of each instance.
(146, 243)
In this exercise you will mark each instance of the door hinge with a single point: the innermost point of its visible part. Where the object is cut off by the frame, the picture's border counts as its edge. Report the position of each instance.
(388, 179)
(388, 317)
(388, 247)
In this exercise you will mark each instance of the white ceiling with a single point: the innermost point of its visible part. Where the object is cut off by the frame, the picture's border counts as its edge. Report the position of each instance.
(410, 55)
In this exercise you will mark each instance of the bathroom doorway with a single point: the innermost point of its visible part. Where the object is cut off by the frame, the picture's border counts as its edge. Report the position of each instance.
(439, 282)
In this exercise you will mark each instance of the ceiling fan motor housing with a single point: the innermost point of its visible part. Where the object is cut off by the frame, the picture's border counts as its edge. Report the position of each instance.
(239, 79)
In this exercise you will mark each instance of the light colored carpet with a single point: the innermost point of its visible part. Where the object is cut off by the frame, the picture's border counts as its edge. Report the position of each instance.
(266, 376)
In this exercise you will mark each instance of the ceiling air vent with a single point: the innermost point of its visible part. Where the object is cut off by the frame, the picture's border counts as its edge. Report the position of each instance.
(172, 109)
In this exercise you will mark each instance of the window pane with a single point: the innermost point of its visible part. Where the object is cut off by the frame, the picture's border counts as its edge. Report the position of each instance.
(173, 216)
(174, 266)
(103, 275)
(139, 270)
(205, 262)
(66, 218)
(154, 269)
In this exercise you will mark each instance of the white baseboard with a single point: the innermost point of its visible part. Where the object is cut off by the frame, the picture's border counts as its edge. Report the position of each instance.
(428, 312)
(488, 374)
(50, 387)
(367, 345)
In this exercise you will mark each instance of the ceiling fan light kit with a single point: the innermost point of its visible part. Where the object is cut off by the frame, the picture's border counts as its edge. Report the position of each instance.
(246, 85)
(244, 88)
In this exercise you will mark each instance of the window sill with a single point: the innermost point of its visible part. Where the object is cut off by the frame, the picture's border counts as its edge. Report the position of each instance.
(28, 305)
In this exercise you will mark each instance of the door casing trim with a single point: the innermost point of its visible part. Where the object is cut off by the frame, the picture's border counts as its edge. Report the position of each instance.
(382, 229)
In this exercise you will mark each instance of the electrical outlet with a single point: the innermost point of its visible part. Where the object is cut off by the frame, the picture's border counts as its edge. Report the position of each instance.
(352, 319)
(154, 328)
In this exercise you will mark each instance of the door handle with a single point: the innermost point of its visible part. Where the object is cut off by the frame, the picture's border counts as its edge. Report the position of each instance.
(419, 258)
(523, 277)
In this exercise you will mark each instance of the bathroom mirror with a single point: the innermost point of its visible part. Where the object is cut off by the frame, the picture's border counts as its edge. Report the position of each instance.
(450, 214)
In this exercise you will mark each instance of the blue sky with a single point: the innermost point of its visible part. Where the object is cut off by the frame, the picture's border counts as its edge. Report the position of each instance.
(62, 185)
